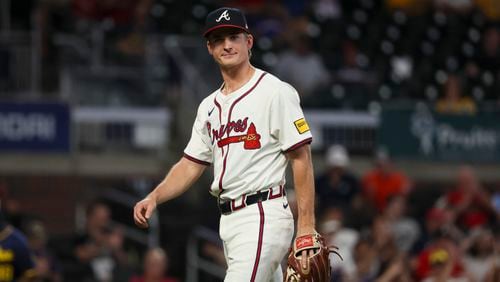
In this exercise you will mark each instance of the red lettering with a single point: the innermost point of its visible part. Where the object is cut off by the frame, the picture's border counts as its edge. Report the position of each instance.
(237, 126)
(241, 125)
(209, 128)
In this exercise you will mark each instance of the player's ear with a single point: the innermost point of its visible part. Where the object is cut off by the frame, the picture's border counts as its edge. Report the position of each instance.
(209, 47)
(249, 41)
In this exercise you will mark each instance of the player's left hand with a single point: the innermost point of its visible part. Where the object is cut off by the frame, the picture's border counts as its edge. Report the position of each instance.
(306, 254)
(308, 259)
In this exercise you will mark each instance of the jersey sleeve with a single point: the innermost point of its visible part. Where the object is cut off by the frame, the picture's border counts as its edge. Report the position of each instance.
(288, 124)
(199, 147)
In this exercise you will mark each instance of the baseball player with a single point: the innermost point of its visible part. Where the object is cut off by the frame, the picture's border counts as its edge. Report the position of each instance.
(248, 130)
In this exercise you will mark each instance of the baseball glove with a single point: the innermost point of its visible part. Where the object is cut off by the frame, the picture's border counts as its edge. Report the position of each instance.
(318, 265)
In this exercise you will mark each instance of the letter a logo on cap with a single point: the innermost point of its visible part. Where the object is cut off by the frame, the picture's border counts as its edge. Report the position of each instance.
(224, 15)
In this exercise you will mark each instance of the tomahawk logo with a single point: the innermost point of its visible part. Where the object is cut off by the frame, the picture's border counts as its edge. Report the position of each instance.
(447, 137)
(423, 127)
(224, 15)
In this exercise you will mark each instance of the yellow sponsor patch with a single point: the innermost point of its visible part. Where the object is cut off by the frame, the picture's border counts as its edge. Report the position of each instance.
(301, 125)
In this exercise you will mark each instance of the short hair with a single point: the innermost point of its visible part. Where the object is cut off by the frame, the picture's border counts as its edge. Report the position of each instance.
(93, 205)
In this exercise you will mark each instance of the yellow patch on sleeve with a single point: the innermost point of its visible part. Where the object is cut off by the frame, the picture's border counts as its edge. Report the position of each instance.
(301, 125)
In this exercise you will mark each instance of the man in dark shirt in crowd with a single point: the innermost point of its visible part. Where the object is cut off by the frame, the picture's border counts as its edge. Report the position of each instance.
(337, 187)
(16, 260)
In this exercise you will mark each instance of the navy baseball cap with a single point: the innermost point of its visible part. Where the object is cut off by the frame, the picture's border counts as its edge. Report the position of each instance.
(225, 17)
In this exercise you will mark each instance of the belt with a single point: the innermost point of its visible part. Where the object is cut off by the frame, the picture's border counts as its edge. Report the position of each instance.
(252, 198)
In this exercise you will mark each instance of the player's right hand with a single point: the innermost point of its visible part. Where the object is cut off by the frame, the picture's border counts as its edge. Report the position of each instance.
(143, 211)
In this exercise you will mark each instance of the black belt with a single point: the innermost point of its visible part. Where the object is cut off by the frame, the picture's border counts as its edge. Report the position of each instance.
(261, 196)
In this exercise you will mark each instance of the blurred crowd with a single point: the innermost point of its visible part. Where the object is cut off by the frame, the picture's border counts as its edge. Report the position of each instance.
(337, 53)
(387, 227)
(389, 230)
(97, 253)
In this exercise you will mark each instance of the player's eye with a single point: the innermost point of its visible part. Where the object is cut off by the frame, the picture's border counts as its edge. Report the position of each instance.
(234, 36)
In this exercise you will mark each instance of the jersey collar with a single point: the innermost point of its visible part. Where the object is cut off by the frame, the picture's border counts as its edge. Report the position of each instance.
(242, 90)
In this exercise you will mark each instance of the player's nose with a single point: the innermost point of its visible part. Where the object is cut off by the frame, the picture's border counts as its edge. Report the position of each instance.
(227, 43)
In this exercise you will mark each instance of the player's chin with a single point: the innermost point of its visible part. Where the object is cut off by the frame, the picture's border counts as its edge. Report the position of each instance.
(229, 60)
(229, 65)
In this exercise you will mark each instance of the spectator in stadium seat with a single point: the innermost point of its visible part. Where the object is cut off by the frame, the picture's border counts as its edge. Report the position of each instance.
(355, 75)
(489, 55)
(435, 219)
(441, 260)
(383, 240)
(453, 101)
(47, 266)
(397, 270)
(126, 23)
(336, 234)
(155, 267)
(12, 208)
(486, 63)
(377, 257)
(405, 229)
(366, 260)
(17, 259)
(337, 186)
(302, 67)
(493, 274)
(480, 258)
(98, 252)
(468, 202)
(384, 181)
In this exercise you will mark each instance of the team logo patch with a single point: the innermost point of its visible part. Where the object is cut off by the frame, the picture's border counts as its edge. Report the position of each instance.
(224, 15)
(250, 139)
(301, 125)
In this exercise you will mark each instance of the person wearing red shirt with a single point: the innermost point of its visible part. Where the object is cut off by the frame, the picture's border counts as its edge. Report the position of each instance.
(441, 260)
(469, 203)
(384, 181)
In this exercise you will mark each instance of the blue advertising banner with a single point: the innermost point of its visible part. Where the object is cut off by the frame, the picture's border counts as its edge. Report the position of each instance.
(34, 127)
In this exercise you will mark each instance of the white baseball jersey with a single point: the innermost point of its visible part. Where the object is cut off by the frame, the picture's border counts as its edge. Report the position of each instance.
(245, 134)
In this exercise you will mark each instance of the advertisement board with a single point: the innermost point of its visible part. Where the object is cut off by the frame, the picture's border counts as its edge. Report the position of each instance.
(420, 133)
(34, 127)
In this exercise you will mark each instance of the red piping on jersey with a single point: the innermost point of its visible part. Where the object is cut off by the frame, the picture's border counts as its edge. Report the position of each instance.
(219, 108)
(223, 169)
(193, 159)
(222, 149)
(243, 96)
(229, 119)
(298, 145)
(259, 245)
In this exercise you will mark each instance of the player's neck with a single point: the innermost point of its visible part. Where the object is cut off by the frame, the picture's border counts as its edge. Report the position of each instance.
(235, 78)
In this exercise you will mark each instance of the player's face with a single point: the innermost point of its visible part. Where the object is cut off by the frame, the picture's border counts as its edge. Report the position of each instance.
(229, 46)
